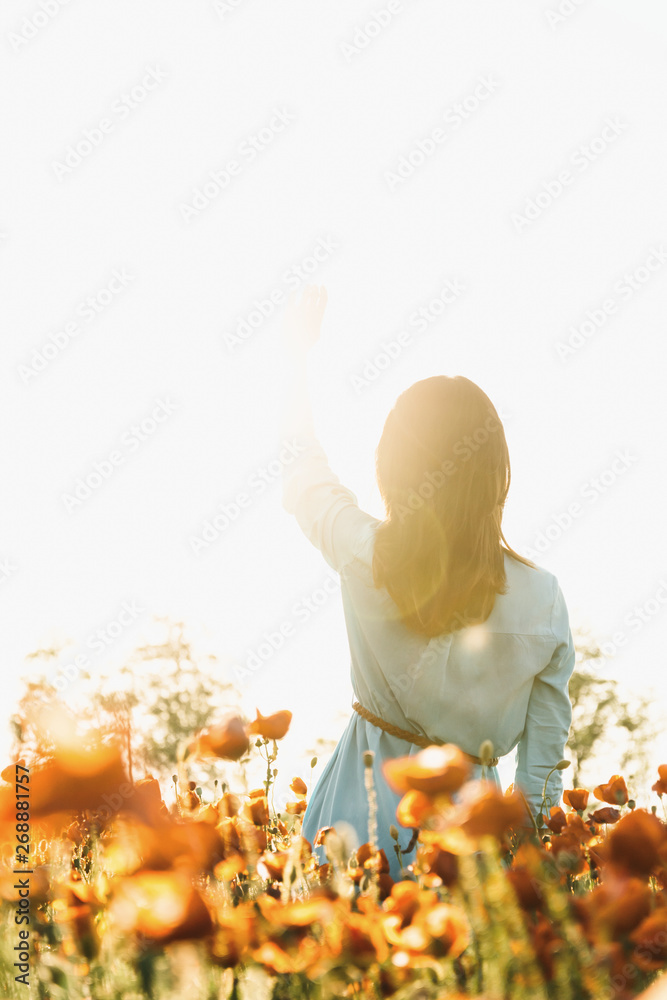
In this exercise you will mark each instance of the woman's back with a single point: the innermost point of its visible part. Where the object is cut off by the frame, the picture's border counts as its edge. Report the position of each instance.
(505, 680)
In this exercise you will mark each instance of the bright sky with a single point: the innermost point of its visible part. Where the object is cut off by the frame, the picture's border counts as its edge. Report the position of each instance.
(394, 152)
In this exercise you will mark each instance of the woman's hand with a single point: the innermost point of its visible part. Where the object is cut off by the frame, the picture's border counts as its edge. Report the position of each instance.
(303, 320)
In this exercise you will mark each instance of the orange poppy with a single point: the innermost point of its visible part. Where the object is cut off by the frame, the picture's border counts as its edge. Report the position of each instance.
(299, 786)
(437, 861)
(161, 906)
(85, 775)
(296, 808)
(226, 739)
(617, 907)
(576, 798)
(414, 809)
(636, 842)
(256, 811)
(615, 791)
(433, 771)
(661, 784)
(229, 805)
(650, 939)
(557, 820)
(271, 727)
(493, 813)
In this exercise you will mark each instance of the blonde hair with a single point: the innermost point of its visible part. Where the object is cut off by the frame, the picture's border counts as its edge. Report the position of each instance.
(444, 472)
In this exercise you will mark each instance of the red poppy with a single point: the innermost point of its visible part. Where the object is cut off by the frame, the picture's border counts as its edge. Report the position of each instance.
(299, 786)
(607, 814)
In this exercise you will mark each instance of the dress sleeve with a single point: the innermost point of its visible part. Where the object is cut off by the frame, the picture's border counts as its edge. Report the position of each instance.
(548, 718)
(326, 511)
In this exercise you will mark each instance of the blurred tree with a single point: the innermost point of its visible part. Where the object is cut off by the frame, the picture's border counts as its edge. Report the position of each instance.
(178, 696)
(603, 719)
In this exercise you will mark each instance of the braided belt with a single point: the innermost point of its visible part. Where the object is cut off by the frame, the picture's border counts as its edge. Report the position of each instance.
(404, 734)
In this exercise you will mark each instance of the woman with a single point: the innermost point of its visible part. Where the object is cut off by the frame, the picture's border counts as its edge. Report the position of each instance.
(453, 636)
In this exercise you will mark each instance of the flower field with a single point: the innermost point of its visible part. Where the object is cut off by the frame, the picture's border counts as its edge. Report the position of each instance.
(108, 893)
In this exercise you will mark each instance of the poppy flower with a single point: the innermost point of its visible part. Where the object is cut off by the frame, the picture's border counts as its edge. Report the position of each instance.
(661, 784)
(606, 814)
(235, 934)
(615, 791)
(557, 820)
(256, 811)
(296, 808)
(77, 776)
(226, 739)
(161, 906)
(9, 773)
(617, 907)
(414, 809)
(229, 805)
(576, 798)
(439, 862)
(367, 860)
(146, 800)
(636, 842)
(546, 944)
(433, 771)
(493, 813)
(299, 786)
(271, 727)
(650, 939)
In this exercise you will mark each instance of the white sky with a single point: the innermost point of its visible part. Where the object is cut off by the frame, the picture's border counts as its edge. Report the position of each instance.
(392, 246)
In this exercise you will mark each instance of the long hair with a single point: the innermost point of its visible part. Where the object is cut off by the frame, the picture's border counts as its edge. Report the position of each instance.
(443, 470)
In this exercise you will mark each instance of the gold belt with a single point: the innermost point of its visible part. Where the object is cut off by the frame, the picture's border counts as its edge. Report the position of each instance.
(404, 734)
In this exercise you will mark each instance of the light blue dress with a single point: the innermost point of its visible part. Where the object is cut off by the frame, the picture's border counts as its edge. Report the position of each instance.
(505, 680)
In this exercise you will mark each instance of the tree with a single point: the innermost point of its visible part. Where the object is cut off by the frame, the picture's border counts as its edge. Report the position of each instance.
(603, 719)
(177, 697)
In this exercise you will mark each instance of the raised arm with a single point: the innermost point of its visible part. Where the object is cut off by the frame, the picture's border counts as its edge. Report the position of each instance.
(301, 330)
(326, 511)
